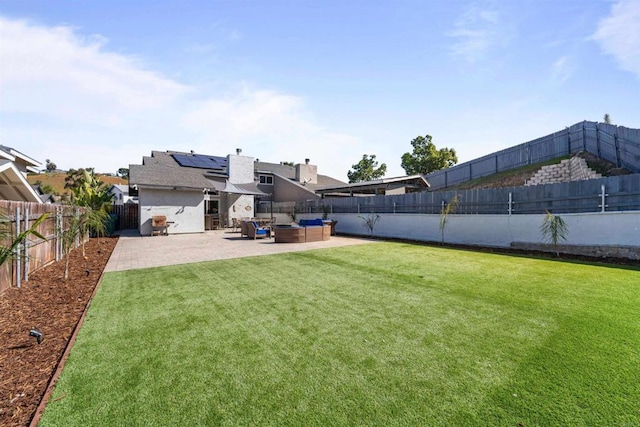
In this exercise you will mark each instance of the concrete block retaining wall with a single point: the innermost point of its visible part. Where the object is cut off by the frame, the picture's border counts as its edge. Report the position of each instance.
(588, 231)
(573, 169)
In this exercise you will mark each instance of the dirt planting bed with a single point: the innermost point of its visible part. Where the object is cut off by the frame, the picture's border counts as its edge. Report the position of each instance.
(53, 306)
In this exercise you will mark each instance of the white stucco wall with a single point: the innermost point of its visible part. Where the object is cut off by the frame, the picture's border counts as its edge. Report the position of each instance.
(240, 169)
(239, 206)
(606, 228)
(184, 209)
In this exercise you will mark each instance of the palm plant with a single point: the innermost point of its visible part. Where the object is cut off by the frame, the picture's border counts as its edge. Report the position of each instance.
(370, 221)
(447, 208)
(69, 229)
(9, 252)
(90, 193)
(554, 229)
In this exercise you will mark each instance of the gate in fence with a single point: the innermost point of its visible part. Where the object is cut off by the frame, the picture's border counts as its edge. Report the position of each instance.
(127, 216)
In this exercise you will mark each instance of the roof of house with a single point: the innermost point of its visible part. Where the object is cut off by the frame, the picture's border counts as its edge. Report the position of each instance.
(413, 181)
(14, 185)
(163, 169)
(16, 156)
(121, 187)
(289, 172)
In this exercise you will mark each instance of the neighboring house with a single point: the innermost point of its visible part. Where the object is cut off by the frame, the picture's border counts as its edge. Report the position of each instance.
(384, 186)
(46, 198)
(13, 182)
(121, 195)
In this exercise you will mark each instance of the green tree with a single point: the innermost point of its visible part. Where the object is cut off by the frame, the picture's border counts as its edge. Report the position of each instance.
(89, 192)
(426, 158)
(51, 166)
(366, 169)
(124, 173)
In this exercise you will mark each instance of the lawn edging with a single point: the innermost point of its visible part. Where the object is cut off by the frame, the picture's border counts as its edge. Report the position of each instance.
(63, 359)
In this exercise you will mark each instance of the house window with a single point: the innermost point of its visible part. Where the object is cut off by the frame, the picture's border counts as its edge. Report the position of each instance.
(266, 179)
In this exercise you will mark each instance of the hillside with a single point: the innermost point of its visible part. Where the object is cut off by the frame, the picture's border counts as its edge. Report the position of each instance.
(518, 177)
(56, 180)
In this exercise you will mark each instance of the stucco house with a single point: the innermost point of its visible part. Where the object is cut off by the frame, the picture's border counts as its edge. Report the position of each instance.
(197, 192)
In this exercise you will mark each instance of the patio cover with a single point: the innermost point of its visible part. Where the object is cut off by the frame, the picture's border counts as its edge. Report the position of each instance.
(249, 188)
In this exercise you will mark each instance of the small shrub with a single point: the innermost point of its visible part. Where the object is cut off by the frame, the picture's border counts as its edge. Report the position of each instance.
(444, 213)
(370, 221)
(554, 229)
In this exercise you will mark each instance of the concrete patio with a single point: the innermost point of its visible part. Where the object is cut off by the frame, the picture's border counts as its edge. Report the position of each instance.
(134, 251)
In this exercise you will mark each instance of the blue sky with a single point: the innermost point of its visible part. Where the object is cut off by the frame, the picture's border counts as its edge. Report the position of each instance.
(102, 83)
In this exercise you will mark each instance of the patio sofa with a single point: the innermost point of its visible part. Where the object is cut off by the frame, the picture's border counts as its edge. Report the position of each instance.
(302, 234)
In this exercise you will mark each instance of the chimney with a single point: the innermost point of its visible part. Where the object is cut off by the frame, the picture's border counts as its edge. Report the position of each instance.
(238, 151)
(306, 173)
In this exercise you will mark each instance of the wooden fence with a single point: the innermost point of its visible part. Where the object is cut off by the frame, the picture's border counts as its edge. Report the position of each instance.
(34, 253)
(616, 193)
(127, 216)
(616, 144)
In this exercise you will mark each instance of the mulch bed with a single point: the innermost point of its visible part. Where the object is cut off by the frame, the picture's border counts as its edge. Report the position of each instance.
(53, 306)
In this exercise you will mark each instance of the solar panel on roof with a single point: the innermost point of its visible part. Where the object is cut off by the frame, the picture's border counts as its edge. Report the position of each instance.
(201, 161)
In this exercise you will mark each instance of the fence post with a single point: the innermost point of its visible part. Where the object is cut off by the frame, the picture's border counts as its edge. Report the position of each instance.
(394, 207)
(598, 139)
(358, 208)
(617, 145)
(26, 245)
(602, 195)
(510, 203)
(58, 227)
(17, 250)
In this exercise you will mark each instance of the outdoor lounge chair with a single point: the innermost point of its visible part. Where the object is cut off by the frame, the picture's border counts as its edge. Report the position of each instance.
(254, 231)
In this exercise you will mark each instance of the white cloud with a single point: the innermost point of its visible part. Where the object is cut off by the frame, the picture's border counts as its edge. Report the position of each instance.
(273, 127)
(562, 69)
(619, 35)
(67, 98)
(478, 30)
(52, 71)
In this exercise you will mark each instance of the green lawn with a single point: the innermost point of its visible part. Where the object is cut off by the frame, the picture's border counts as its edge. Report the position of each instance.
(383, 334)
